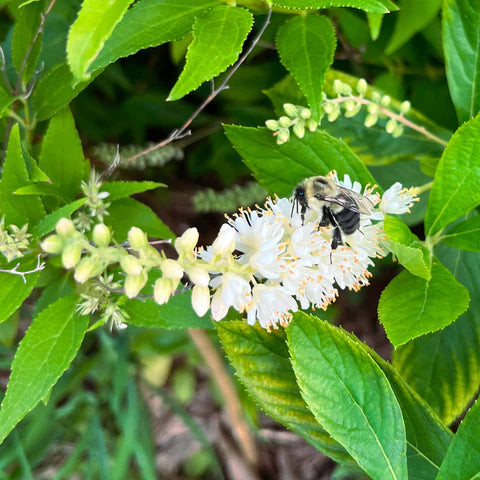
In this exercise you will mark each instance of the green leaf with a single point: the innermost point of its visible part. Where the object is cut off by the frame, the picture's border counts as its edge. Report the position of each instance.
(375, 21)
(349, 395)
(411, 20)
(464, 235)
(261, 361)
(278, 168)
(407, 248)
(13, 290)
(218, 37)
(306, 45)
(46, 351)
(55, 90)
(462, 461)
(121, 189)
(444, 367)
(456, 186)
(25, 54)
(127, 212)
(47, 224)
(17, 210)
(41, 189)
(461, 38)
(376, 6)
(84, 40)
(176, 314)
(62, 155)
(411, 306)
(168, 20)
(6, 99)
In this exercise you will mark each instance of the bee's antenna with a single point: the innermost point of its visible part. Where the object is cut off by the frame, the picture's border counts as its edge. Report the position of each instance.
(295, 202)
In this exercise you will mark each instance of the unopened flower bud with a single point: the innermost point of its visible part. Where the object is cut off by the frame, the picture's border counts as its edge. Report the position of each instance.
(349, 105)
(225, 241)
(346, 89)
(187, 242)
(162, 290)
(376, 97)
(198, 276)
(370, 120)
(200, 300)
(65, 227)
(134, 283)
(137, 238)
(332, 116)
(283, 136)
(52, 244)
(272, 125)
(290, 109)
(397, 132)
(101, 235)
(373, 108)
(131, 265)
(312, 124)
(353, 111)
(405, 107)
(284, 121)
(171, 269)
(391, 125)
(337, 86)
(329, 107)
(71, 255)
(218, 307)
(87, 268)
(299, 129)
(362, 86)
(385, 101)
(305, 113)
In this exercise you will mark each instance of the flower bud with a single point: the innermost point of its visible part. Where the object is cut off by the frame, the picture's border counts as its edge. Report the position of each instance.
(405, 107)
(362, 86)
(65, 227)
(283, 136)
(305, 113)
(101, 235)
(225, 241)
(284, 121)
(198, 276)
(312, 124)
(373, 108)
(349, 105)
(171, 269)
(87, 268)
(337, 86)
(187, 242)
(137, 238)
(329, 107)
(332, 116)
(391, 125)
(385, 101)
(346, 89)
(200, 300)
(134, 283)
(299, 129)
(219, 309)
(131, 265)
(397, 132)
(162, 290)
(353, 111)
(370, 120)
(71, 255)
(52, 244)
(272, 125)
(376, 97)
(290, 109)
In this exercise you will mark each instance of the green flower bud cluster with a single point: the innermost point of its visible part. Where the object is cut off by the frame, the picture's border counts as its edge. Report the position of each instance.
(107, 152)
(348, 102)
(229, 200)
(14, 241)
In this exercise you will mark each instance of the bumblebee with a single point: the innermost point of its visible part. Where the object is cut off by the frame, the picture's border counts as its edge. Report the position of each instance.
(340, 207)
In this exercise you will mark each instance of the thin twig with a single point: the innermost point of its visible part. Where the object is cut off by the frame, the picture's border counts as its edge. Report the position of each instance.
(3, 68)
(183, 130)
(40, 266)
(224, 382)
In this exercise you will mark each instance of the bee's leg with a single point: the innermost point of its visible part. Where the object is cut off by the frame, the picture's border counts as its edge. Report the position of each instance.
(302, 213)
(336, 240)
(326, 218)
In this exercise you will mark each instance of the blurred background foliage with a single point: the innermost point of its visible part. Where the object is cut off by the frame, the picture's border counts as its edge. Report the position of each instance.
(140, 403)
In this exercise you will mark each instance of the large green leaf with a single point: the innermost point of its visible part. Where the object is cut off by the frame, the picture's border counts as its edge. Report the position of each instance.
(411, 306)
(150, 23)
(262, 363)
(62, 155)
(121, 189)
(444, 367)
(456, 187)
(46, 351)
(93, 26)
(17, 210)
(411, 19)
(462, 461)
(218, 37)
(278, 168)
(461, 40)
(375, 6)
(465, 235)
(177, 313)
(349, 395)
(306, 45)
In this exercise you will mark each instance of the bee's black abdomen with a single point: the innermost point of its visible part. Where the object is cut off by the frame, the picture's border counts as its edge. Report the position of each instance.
(348, 220)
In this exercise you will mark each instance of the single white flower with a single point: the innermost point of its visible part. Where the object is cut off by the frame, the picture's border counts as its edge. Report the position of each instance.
(225, 241)
(397, 200)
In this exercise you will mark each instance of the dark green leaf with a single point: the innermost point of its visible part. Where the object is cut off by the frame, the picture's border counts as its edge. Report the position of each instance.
(465, 235)
(218, 37)
(349, 395)
(456, 187)
(47, 224)
(280, 168)
(411, 306)
(93, 26)
(167, 20)
(306, 45)
(120, 189)
(41, 189)
(461, 40)
(62, 155)
(376, 6)
(262, 363)
(46, 351)
(6, 99)
(177, 313)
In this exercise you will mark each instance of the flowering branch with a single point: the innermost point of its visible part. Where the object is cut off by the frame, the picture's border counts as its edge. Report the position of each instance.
(14, 271)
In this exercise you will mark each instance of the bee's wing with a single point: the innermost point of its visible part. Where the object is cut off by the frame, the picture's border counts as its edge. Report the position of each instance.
(352, 200)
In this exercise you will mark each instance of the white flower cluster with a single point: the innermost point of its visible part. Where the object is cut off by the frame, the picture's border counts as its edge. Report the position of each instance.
(266, 264)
